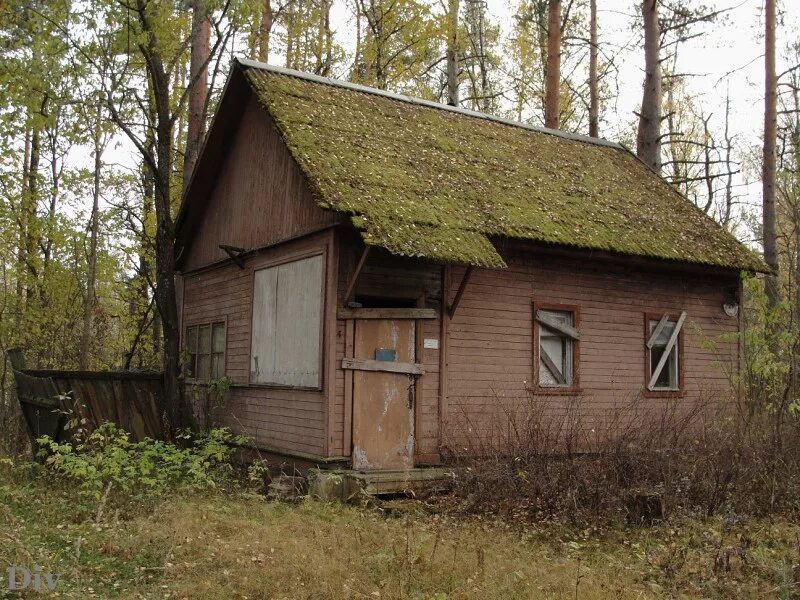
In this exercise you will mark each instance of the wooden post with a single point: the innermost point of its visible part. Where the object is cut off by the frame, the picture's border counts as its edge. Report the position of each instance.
(351, 287)
(461, 288)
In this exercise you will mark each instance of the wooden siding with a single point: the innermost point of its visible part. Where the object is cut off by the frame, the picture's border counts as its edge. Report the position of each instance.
(489, 360)
(278, 418)
(260, 195)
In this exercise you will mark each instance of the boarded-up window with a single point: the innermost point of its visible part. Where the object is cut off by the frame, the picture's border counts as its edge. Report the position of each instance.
(287, 324)
(557, 342)
(205, 350)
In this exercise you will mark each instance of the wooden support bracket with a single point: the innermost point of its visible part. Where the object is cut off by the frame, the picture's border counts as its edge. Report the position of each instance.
(451, 310)
(235, 253)
(351, 286)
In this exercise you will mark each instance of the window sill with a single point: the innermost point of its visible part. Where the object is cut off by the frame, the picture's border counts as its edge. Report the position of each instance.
(280, 386)
(555, 391)
(664, 393)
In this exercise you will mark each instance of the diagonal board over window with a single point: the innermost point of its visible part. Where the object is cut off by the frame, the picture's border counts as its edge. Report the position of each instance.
(557, 336)
(287, 324)
(662, 346)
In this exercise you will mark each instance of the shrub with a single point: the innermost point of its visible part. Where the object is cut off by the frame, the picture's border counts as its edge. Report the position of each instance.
(543, 458)
(106, 458)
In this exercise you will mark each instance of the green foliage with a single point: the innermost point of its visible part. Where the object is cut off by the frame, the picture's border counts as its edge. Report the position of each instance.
(768, 344)
(218, 389)
(107, 457)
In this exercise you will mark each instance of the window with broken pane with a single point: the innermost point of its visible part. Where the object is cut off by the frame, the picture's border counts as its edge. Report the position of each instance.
(663, 376)
(556, 348)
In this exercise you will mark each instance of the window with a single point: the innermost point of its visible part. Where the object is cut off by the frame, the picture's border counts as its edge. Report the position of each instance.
(557, 343)
(205, 346)
(663, 353)
(287, 324)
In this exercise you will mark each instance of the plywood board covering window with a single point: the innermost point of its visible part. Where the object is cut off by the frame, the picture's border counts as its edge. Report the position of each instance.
(663, 347)
(557, 339)
(205, 349)
(287, 324)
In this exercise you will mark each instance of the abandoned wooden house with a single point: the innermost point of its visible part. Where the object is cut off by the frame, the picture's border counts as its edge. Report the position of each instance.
(367, 267)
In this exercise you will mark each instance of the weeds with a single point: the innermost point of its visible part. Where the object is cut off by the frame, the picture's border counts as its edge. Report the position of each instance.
(542, 458)
(106, 460)
(236, 544)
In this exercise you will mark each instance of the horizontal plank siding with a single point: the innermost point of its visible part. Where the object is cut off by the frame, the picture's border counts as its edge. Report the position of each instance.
(490, 338)
(260, 196)
(284, 419)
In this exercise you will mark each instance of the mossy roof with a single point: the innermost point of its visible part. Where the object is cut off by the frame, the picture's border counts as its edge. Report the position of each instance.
(425, 180)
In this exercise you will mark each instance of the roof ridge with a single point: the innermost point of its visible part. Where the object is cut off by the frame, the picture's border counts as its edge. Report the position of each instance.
(575, 137)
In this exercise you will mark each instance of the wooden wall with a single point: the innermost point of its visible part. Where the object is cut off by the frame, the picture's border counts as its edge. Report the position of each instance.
(283, 419)
(260, 196)
(489, 349)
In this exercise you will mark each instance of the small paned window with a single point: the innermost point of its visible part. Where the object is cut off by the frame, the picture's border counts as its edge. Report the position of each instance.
(205, 349)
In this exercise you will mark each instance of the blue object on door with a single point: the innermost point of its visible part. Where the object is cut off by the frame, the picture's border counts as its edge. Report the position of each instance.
(386, 354)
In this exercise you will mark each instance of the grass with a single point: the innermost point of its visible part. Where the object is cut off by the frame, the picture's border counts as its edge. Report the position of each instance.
(241, 546)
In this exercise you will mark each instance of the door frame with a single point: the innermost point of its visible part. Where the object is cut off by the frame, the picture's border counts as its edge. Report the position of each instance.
(350, 315)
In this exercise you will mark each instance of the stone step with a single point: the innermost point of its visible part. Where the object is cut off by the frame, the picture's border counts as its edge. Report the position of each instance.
(287, 487)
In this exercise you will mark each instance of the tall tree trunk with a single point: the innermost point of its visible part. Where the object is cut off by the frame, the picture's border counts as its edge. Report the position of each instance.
(769, 169)
(91, 270)
(174, 402)
(648, 137)
(594, 95)
(290, 33)
(726, 218)
(452, 52)
(324, 42)
(486, 101)
(679, 177)
(198, 80)
(264, 32)
(552, 80)
(358, 67)
(22, 234)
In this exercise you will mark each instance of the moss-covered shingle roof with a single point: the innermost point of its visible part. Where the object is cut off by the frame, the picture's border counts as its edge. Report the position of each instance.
(429, 181)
